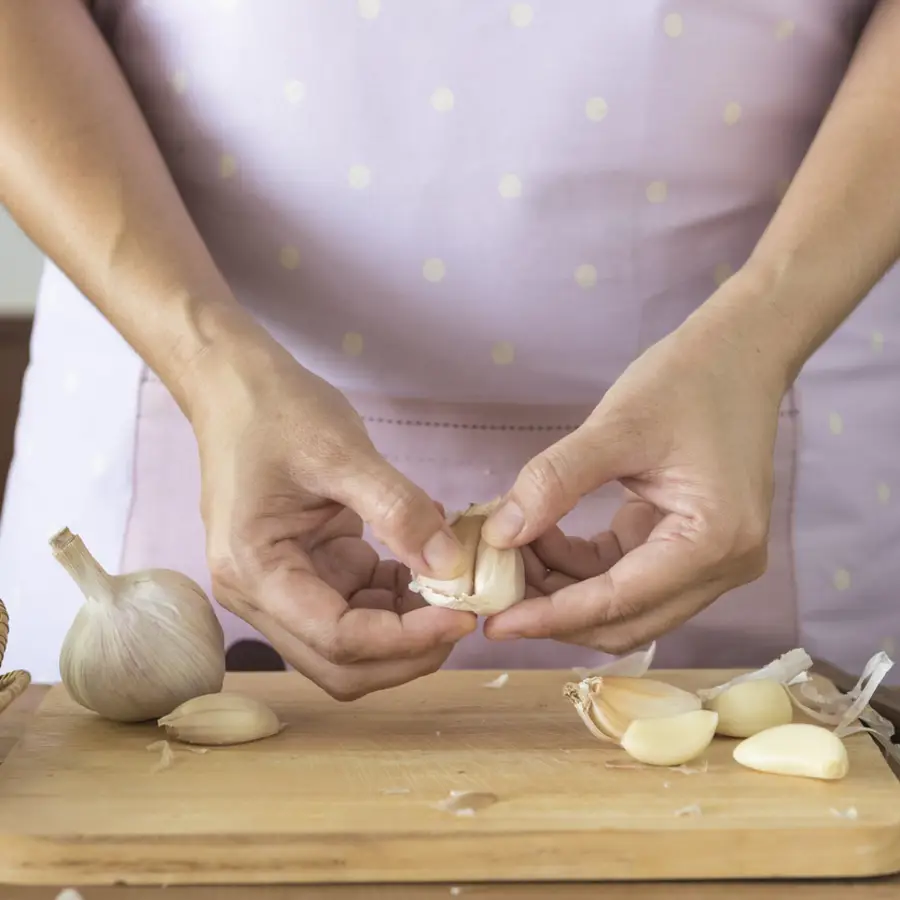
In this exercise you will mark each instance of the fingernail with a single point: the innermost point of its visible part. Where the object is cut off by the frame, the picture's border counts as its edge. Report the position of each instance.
(443, 555)
(505, 524)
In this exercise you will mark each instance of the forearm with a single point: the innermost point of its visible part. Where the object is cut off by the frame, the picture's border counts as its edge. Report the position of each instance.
(81, 174)
(837, 231)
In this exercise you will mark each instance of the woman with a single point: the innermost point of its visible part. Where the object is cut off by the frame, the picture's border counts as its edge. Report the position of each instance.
(324, 265)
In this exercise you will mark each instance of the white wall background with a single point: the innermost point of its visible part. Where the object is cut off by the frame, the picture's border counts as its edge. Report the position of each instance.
(20, 269)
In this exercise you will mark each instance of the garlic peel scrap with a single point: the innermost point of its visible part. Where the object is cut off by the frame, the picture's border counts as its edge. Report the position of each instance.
(790, 668)
(492, 579)
(634, 665)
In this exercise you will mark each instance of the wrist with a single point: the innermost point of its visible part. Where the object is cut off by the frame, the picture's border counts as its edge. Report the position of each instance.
(762, 316)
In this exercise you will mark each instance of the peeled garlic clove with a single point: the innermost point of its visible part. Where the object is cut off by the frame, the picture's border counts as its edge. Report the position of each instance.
(672, 740)
(142, 643)
(492, 581)
(808, 751)
(608, 704)
(752, 706)
(219, 719)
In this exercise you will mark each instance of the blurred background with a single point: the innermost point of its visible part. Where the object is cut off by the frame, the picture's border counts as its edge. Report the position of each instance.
(20, 270)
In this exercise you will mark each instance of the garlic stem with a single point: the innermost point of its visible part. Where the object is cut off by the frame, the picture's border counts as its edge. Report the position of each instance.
(93, 580)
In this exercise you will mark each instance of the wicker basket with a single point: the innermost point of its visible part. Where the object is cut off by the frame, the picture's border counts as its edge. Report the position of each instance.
(13, 683)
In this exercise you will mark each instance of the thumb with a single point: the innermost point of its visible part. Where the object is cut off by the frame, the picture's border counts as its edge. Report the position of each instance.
(551, 485)
(402, 516)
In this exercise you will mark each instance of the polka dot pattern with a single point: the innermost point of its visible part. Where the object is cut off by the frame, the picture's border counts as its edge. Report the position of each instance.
(586, 276)
(227, 166)
(359, 177)
(877, 341)
(442, 100)
(596, 109)
(434, 270)
(835, 423)
(842, 580)
(503, 353)
(369, 9)
(289, 257)
(657, 191)
(294, 91)
(510, 187)
(352, 344)
(673, 25)
(179, 82)
(732, 113)
(785, 29)
(883, 492)
(521, 14)
(722, 273)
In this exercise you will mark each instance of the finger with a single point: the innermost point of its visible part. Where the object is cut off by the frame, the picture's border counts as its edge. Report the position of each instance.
(402, 517)
(576, 557)
(629, 634)
(552, 483)
(319, 616)
(345, 682)
(634, 522)
(651, 575)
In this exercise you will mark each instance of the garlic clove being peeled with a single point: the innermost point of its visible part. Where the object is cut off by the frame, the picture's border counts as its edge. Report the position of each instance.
(219, 719)
(142, 643)
(492, 580)
(609, 704)
(749, 707)
(807, 751)
(671, 740)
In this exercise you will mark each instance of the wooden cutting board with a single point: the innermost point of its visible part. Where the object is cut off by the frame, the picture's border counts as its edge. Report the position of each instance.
(351, 793)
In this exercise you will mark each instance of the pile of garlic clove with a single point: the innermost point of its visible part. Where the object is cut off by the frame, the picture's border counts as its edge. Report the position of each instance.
(659, 724)
(492, 580)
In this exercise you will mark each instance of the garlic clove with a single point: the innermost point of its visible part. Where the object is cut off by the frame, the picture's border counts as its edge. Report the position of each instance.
(790, 668)
(671, 740)
(219, 719)
(142, 642)
(499, 578)
(807, 751)
(493, 580)
(748, 707)
(610, 703)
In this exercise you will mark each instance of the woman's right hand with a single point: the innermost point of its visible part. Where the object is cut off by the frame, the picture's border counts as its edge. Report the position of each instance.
(289, 476)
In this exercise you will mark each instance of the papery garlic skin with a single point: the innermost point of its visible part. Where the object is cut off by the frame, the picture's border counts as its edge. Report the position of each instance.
(492, 580)
(807, 751)
(142, 643)
(671, 740)
(749, 707)
(220, 719)
(608, 704)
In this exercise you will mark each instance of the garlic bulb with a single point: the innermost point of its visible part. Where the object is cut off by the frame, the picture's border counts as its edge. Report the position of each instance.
(492, 580)
(609, 704)
(142, 643)
(220, 719)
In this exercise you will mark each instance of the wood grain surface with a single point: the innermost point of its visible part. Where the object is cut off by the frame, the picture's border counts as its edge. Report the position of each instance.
(16, 719)
(349, 793)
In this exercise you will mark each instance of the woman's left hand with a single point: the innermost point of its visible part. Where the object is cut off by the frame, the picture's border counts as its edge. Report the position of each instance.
(689, 430)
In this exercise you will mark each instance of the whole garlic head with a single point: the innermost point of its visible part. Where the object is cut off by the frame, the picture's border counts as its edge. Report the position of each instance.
(142, 643)
(493, 580)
